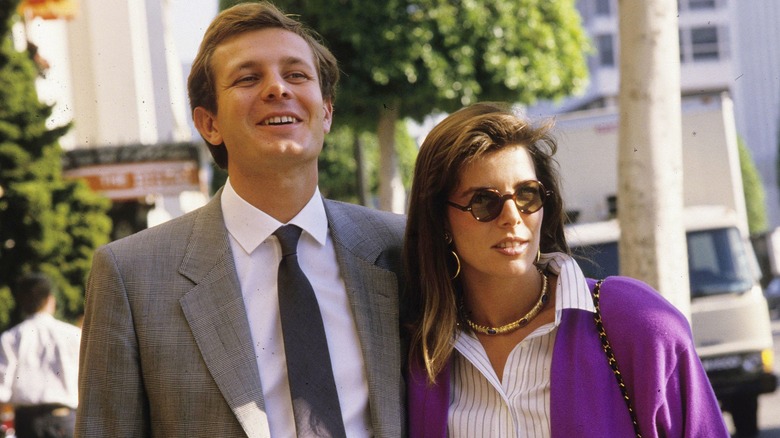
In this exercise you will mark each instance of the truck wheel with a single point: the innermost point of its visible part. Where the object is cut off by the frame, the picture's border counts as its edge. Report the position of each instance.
(744, 412)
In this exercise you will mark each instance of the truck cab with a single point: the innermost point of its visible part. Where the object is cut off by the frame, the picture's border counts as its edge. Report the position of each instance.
(729, 314)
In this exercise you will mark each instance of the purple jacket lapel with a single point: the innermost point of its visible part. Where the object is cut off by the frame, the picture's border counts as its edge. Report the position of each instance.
(428, 404)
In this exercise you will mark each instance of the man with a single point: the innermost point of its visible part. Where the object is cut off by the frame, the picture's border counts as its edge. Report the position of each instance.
(182, 333)
(39, 363)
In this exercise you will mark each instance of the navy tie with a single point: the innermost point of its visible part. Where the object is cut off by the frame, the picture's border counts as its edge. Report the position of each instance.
(312, 386)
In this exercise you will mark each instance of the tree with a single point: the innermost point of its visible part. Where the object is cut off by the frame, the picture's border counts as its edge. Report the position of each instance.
(47, 224)
(652, 243)
(411, 58)
(342, 176)
(755, 197)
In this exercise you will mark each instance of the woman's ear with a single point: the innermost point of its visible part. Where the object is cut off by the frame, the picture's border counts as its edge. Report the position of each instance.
(447, 236)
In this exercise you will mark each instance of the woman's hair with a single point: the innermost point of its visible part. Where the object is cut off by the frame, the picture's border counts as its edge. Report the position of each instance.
(431, 304)
(239, 19)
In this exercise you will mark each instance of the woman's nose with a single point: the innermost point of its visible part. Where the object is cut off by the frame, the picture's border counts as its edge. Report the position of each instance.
(510, 214)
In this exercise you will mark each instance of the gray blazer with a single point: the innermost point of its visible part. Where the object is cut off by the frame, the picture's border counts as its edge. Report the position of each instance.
(166, 348)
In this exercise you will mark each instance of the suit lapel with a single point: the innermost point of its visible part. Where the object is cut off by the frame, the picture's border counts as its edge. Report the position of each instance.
(214, 309)
(373, 296)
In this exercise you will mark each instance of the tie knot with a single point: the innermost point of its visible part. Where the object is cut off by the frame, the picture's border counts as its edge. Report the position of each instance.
(288, 238)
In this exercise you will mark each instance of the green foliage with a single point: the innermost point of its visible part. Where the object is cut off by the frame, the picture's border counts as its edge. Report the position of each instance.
(755, 197)
(436, 55)
(407, 149)
(85, 226)
(339, 165)
(47, 224)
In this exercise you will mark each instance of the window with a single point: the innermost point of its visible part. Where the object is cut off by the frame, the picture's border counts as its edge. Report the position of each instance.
(603, 8)
(704, 43)
(606, 51)
(599, 260)
(701, 4)
(717, 261)
(681, 36)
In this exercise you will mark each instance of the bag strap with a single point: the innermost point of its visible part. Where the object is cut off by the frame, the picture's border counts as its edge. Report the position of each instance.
(611, 357)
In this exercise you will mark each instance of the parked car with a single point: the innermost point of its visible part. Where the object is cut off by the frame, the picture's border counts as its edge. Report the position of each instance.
(772, 294)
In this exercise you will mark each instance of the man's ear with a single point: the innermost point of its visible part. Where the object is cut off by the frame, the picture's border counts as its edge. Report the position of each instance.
(327, 118)
(206, 124)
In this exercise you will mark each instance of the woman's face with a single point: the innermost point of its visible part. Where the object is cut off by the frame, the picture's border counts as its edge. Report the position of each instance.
(505, 247)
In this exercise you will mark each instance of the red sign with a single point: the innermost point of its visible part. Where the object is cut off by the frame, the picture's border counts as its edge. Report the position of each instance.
(48, 9)
(137, 180)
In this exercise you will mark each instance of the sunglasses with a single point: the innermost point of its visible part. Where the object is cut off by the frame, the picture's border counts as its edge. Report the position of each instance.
(486, 204)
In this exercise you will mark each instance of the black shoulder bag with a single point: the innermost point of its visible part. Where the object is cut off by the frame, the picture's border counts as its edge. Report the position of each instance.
(611, 357)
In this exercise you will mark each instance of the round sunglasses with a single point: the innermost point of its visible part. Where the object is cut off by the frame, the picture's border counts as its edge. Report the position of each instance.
(486, 204)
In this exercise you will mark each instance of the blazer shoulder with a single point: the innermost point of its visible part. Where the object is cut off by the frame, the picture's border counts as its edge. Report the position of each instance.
(387, 226)
(161, 234)
(371, 235)
(203, 227)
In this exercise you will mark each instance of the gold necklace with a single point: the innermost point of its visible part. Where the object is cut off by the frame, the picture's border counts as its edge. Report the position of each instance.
(544, 297)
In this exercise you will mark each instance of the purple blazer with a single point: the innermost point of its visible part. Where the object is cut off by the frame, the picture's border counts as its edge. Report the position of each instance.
(653, 345)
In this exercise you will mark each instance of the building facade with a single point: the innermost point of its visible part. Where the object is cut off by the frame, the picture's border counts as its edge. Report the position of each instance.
(114, 72)
(725, 46)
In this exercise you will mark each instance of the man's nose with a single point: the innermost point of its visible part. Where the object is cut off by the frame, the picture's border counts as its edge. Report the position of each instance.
(275, 89)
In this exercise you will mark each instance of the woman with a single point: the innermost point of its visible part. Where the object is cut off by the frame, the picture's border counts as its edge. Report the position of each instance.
(501, 321)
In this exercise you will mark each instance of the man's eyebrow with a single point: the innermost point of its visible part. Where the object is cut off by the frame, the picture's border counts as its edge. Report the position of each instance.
(288, 61)
(295, 60)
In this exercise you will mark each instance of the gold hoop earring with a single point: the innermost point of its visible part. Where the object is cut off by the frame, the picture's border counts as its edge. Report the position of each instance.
(457, 262)
(538, 256)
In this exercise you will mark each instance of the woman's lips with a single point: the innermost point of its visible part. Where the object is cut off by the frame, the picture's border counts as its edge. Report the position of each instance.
(511, 247)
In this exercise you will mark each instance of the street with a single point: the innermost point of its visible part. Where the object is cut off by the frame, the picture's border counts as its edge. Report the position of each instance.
(768, 404)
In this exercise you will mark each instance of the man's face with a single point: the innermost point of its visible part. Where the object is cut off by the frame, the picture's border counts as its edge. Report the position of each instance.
(270, 114)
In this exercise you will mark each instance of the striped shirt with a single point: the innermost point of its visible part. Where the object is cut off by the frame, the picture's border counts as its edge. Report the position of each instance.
(518, 405)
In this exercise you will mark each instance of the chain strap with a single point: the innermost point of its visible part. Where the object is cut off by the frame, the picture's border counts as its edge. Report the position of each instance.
(611, 357)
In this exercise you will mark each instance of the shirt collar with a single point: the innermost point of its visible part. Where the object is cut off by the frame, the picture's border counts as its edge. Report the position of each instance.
(251, 226)
(572, 288)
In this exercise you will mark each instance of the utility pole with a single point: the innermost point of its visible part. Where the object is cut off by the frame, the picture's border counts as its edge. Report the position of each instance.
(650, 190)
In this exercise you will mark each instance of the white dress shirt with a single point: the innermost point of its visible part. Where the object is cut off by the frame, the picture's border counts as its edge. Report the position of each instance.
(257, 255)
(517, 405)
(39, 362)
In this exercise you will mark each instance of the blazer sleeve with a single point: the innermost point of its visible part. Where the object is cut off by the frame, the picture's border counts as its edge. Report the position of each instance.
(112, 398)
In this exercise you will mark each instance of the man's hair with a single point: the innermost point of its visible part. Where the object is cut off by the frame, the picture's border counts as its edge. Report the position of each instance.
(246, 17)
(31, 292)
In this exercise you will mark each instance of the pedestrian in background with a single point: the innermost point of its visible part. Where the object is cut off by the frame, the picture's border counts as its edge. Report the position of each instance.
(39, 360)
(507, 337)
(190, 329)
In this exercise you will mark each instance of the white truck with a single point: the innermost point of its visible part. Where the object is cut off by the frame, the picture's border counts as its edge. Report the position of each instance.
(729, 314)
